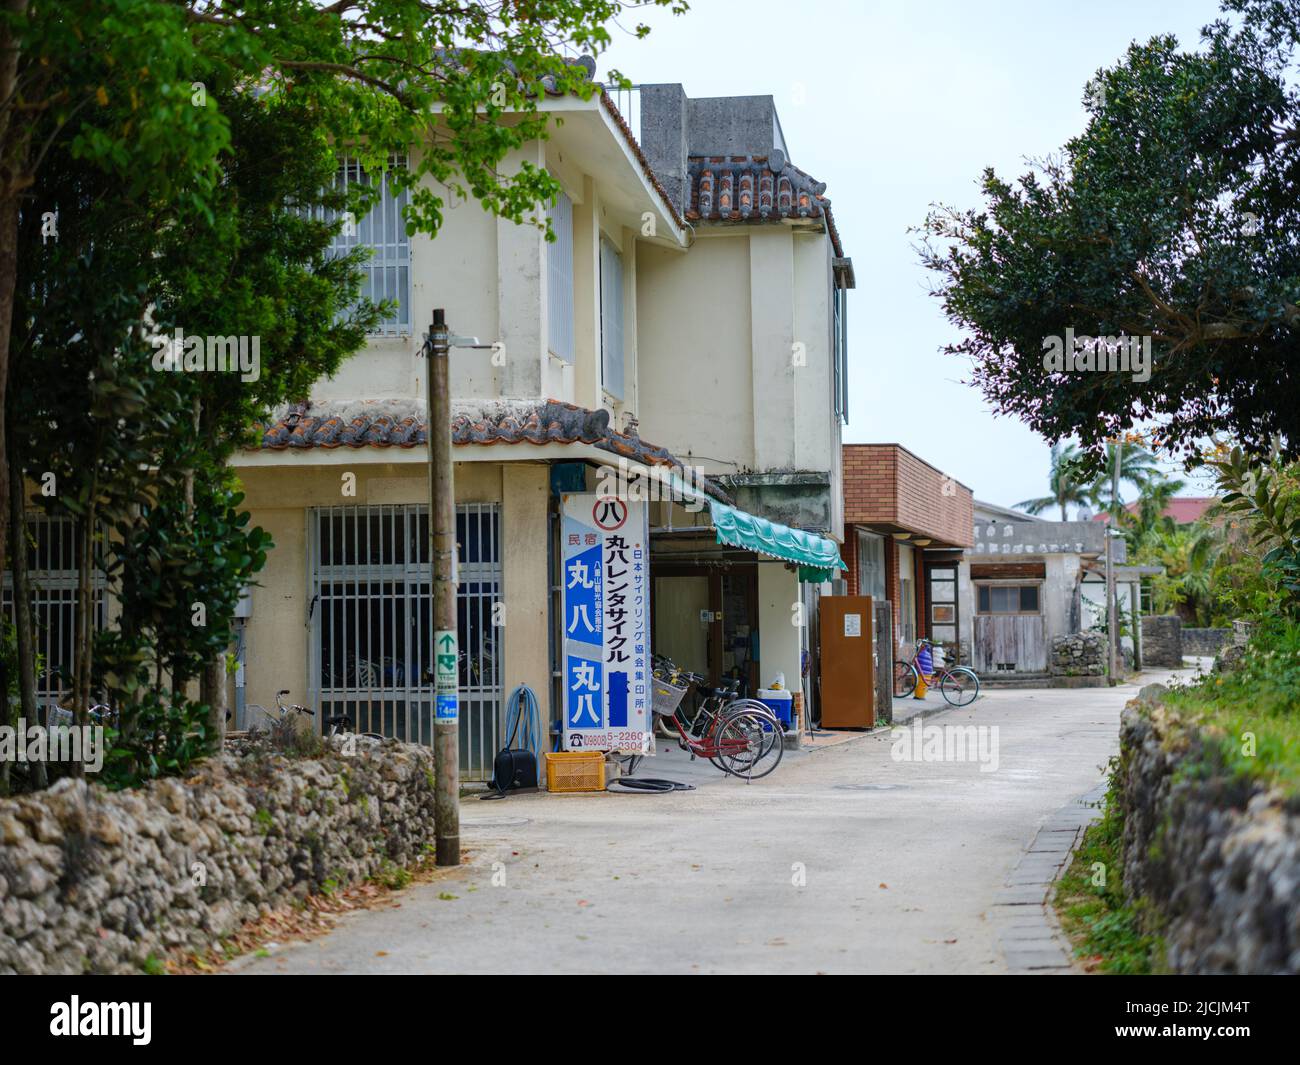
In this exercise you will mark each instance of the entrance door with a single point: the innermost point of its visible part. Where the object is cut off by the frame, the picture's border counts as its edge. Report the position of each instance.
(1008, 629)
(942, 604)
(681, 619)
(847, 661)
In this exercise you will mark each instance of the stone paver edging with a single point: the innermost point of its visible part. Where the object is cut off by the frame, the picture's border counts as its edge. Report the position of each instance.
(1029, 935)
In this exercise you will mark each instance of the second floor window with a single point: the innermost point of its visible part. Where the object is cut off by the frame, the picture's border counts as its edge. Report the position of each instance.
(383, 231)
(611, 319)
(559, 281)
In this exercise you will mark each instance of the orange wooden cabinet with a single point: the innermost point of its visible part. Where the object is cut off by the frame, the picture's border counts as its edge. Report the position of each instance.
(847, 662)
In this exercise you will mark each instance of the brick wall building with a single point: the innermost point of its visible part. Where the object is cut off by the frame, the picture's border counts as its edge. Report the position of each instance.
(905, 523)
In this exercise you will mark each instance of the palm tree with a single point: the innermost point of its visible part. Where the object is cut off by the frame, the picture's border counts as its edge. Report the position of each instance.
(1192, 558)
(1137, 466)
(1153, 498)
(1064, 483)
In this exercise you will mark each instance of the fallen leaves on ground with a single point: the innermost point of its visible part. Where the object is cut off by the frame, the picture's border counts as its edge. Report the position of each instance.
(299, 923)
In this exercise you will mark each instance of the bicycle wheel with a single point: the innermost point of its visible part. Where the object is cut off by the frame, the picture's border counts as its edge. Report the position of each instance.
(960, 686)
(905, 677)
(750, 744)
(776, 730)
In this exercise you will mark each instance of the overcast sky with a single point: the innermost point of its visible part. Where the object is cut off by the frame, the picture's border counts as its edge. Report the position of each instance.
(896, 105)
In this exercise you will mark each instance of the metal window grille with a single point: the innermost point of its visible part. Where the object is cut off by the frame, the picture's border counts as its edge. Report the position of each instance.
(559, 280)
(383, 231)
(52, 575)
(371, 635)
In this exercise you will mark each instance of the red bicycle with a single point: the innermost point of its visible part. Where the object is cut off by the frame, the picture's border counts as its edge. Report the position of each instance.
(741, 737)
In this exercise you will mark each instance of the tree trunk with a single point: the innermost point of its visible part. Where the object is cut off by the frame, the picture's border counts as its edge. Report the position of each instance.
(8, 280)
(214, 694)
(15, 138)
(26, 639)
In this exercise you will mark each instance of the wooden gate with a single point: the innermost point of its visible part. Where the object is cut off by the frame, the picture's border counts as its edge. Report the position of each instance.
(1016, 641)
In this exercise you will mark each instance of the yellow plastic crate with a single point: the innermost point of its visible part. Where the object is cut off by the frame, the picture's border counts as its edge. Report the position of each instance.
(575, 771)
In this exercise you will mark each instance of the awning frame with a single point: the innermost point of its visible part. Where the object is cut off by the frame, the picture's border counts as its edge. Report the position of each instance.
(818, 557)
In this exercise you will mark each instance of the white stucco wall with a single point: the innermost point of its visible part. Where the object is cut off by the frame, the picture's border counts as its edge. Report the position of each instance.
(279, 633)
(718, 330)
(490, 276)
(696, 367)
(779, 636)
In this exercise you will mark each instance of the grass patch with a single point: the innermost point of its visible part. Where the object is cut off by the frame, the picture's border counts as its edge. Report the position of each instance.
(393, 876)
(1104, 928)
(1250, 718)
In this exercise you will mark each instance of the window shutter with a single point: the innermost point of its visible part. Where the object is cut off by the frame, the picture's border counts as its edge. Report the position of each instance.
(611, 319)
(559, 280)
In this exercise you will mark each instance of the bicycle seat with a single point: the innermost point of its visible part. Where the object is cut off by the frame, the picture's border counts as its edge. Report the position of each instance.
(338, 719)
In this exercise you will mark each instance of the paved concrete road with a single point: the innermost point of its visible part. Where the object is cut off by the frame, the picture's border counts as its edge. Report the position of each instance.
(902, 861)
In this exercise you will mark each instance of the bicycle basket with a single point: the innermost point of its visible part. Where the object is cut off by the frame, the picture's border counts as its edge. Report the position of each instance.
(665, 697)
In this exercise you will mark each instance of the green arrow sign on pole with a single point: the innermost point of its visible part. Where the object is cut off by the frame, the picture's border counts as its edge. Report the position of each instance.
(445, 662)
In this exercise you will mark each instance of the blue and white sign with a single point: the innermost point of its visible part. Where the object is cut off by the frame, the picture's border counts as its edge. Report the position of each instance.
(606, 551)
(445, 656)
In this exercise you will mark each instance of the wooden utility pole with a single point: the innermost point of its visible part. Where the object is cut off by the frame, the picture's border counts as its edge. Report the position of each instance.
(442, 558)
(1112, 530)
(438, 343)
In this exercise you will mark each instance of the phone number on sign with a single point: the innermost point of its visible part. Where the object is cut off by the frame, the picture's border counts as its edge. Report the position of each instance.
(637, 742)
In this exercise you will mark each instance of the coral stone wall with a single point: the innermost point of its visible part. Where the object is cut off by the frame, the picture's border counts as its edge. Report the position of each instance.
(100, 881)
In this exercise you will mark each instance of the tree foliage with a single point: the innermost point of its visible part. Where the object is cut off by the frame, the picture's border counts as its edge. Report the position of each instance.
(170, 165)
(1170, 216)
(1067, 487)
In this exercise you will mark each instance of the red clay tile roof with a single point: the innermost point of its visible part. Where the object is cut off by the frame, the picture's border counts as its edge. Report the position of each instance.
(1183, 509)
(549, 422)
(755, 188)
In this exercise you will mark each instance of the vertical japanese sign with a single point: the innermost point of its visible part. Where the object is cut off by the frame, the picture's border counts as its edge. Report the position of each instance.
(606, 551)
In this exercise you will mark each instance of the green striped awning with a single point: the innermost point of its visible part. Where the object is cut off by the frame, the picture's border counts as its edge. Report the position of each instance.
(818, 558)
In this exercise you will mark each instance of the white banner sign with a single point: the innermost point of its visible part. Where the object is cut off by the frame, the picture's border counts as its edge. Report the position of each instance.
(606, 551)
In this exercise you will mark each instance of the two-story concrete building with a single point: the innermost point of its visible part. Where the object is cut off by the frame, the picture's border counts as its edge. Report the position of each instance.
(585, 341)
(743, 375)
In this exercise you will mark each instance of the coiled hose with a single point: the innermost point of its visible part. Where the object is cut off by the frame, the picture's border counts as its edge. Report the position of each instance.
(522, 708)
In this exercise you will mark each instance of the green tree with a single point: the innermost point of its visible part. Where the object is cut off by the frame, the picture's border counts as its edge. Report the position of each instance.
(1171, 217)
(1193, 577)
(1264, 497)
(127, 87)
(1137, 467)
(1065, 481)
(1149, 515)
(140, 457)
